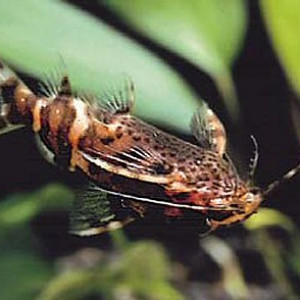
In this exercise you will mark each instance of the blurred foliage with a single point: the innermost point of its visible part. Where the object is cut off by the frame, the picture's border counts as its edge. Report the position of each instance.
(36, 36)
(283, 23)
(232, 275)
(189, 28)
(139, 269)
(139, 272)
(275, 253)
(22, 275)
(18, 210)
(95, 55)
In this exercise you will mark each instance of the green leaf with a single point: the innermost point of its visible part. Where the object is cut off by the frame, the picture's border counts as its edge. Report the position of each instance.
(22, 275)
(224, 256)
(145, 269)
(77, 284)
(267, 217)
(17, 210)
(141, 271)
(207, 33)
(36, 35)
(283, 23)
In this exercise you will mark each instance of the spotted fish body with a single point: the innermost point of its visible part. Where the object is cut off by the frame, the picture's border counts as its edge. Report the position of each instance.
(125, 156)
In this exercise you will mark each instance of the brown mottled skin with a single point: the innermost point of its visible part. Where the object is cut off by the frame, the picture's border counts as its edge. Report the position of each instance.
(124, 154)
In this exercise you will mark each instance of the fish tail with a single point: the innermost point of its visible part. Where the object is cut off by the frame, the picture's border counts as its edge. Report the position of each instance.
(16, 101)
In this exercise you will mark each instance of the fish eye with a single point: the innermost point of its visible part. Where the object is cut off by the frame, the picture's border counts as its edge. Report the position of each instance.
(255, 191)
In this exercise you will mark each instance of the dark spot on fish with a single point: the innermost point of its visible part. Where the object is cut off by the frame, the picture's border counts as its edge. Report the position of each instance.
(136, 138)
(119, 135)
(218, 177)
(129, 131)
(216, 184)
(200, 184)
(146, 140)
(160, 169)
(107, 141)
(181, 168)
(206, 165)
(193, 169)
(204, 177)
(234, 205)
(119, 132)
(172, 154)
(65, 87)
(87, 138)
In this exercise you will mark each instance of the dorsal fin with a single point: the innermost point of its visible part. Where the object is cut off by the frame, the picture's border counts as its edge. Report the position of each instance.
(208, 129)
(253, 160)
(57, 82)
(118, 101)
(65, 87)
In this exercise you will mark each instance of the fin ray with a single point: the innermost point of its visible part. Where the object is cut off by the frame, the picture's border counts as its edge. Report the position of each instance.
(56, 82)
(208, 129)
(93, 213)
(118, 101)
(135, 159)
(90, 209)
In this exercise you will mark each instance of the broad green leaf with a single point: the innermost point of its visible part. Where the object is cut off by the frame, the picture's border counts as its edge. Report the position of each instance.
(283, 23)
(207, 33)
(38, 35)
